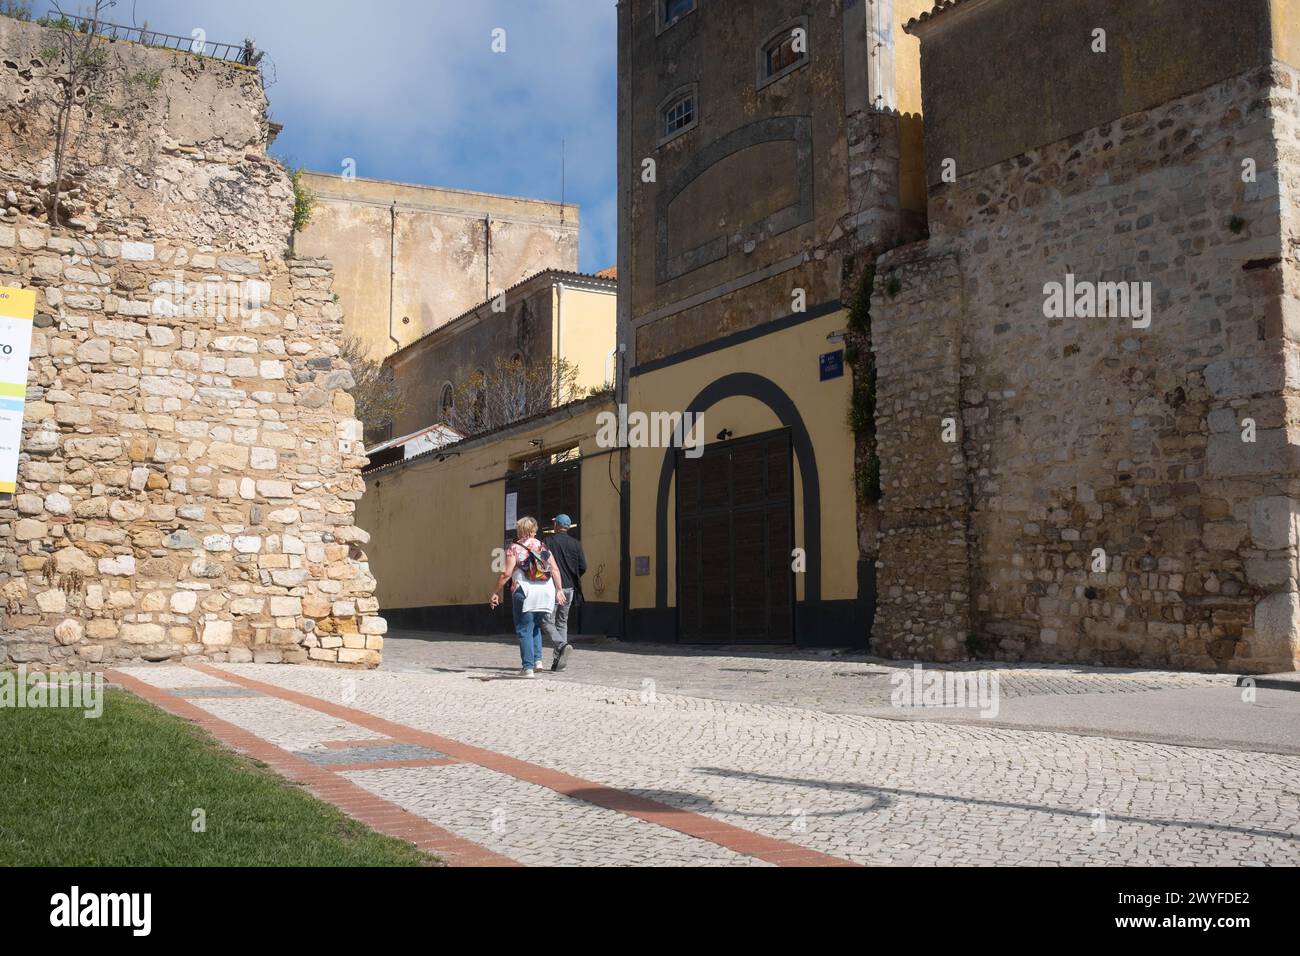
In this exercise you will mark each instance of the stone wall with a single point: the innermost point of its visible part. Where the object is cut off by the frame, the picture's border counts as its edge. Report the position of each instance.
(923, 581)
(190, 460)
(1088, 437)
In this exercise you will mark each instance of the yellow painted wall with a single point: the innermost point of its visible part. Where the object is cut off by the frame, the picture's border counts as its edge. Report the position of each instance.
(432, 534)
(907, 83)
(585, 332)
(788, 358)
(1286, 31)
(439, 264)
(907, 55)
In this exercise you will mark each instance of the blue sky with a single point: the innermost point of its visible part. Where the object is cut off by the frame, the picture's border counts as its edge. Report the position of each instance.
(412, 91)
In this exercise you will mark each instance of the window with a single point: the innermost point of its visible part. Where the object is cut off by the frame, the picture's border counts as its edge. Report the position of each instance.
(516, 384)
(783, 52)
(670, 11)
(780, 55)
(446, 403)
(677, 116)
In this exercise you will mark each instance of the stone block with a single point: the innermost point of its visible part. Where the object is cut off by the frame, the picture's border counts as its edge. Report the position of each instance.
(143, 633)
(218, 633)
(1275, 522)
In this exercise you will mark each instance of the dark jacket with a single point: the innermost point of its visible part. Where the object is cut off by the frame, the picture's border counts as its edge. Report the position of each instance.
(571, 561)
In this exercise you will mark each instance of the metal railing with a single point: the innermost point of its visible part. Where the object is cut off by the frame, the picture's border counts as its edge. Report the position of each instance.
(244, 53)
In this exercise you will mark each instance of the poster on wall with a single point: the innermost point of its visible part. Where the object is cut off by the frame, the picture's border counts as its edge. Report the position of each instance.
(512, 510)
(17, 308)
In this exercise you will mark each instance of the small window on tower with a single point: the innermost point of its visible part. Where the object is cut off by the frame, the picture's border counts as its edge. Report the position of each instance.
(678, 115)
(784, 52)
(674, 10)
(780, 55)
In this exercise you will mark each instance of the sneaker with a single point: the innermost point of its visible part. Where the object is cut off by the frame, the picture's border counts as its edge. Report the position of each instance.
(527, 672)
(562, 657)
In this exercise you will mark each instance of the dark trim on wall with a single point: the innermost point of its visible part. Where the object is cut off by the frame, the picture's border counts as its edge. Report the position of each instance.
(652, 625)
(750, 385)
(476, 619)
(821, 624)
(592, 618)
(830, 624)
(736, 338)
(624, 550)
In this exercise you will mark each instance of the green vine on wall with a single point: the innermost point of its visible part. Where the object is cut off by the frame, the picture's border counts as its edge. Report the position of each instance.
(862, 401)
(304, 201)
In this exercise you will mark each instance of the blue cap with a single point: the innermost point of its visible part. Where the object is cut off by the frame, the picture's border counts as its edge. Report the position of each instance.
(564, 521)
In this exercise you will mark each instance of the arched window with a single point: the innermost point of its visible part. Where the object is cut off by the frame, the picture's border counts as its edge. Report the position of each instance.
(783, 52)
(446, 403)
(678, 113)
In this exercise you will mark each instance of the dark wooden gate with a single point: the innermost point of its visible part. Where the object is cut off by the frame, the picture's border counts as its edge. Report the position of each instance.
(735, 534)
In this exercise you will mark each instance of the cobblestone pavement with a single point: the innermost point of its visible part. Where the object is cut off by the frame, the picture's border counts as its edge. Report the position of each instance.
(1174, 707)
(833, 682)
(854, 787)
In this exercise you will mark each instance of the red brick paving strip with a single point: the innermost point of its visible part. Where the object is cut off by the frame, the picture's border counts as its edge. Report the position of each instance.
(737, 839)
(325, 783)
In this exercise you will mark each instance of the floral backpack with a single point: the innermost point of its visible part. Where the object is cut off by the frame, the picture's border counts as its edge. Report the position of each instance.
(537, 565)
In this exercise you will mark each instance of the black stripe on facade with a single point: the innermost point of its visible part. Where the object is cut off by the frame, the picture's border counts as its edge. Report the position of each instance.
(736, 338)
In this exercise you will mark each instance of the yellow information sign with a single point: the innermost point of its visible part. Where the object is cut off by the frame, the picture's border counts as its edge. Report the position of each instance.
(17, 309)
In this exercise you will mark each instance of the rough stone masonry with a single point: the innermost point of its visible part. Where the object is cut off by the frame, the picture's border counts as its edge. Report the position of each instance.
(190, 461)
(1105, 489)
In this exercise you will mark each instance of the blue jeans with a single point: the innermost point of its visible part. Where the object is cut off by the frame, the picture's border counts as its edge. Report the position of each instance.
(528, 625)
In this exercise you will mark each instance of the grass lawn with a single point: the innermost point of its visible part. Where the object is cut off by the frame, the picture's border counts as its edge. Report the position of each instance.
(121, 790)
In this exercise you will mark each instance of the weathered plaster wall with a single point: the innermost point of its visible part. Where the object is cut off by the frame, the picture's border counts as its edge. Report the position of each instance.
(439, 260)
(190, 460)
(765, 193)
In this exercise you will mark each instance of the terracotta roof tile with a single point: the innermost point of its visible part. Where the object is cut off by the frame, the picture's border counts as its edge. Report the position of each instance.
(941, 7)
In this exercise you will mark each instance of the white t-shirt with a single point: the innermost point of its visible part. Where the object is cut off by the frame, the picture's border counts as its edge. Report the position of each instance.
(538, 595)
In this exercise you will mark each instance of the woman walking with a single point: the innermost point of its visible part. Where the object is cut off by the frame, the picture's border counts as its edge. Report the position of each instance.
(535, 585)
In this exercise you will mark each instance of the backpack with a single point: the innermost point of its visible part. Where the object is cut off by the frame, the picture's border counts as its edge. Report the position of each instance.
(537, 566)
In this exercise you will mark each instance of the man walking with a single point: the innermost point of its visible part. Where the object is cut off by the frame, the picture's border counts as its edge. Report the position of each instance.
(572, 563)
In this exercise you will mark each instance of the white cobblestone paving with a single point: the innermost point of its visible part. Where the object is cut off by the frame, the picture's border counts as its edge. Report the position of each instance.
(536, 826)
(174, 678)
(865, 789)
(289, 726)
(523, 821)
(832, 682)
(861, 788)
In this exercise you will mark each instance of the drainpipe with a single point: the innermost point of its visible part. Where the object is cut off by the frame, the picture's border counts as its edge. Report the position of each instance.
(559, 336)
(487, 257)
(392, 269)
